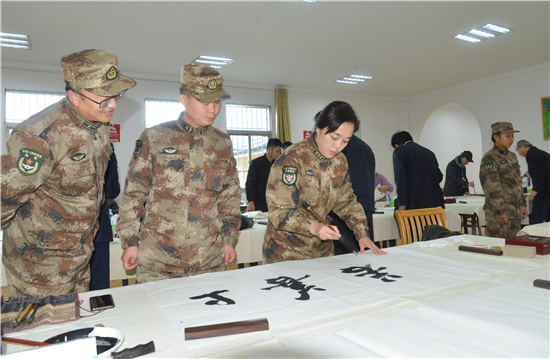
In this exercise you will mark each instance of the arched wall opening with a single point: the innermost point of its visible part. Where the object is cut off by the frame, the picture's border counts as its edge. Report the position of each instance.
(449, 129)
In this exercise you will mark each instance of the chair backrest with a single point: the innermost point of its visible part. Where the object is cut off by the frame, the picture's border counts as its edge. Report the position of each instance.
(411, 223)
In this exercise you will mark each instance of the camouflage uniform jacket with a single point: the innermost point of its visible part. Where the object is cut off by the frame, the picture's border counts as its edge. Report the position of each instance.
(181, 200)
(500, 178)
(303, 174)
(52, 188)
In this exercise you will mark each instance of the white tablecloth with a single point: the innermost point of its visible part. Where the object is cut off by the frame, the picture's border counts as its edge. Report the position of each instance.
(541, 229)
(473, 204)
(409, 308)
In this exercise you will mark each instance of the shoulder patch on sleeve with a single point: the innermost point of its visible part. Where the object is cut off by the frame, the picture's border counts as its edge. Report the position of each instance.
(290, 173)
(488, 165)
(137, 151)
(29, 161)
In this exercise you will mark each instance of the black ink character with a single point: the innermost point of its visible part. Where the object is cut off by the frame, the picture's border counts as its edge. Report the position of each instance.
(368, 271)
(295, 284)
(216, 298)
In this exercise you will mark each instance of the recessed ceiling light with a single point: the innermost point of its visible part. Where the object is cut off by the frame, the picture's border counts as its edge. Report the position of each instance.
(310, 1)
(467, 38)
(482, 33)
(216, 62)
(347, 82)
(353, 79)
(497, 28)
(15, 41)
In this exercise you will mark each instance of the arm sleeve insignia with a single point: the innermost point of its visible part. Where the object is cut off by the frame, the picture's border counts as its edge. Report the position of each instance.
(29, 161)
(290, 173)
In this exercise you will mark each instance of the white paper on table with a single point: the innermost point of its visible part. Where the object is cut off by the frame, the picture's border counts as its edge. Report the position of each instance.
(510, 320)
(342, 291)
(444, 242)
(256, 215)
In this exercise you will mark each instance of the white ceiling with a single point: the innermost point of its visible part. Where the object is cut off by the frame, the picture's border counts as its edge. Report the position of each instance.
(408, 47)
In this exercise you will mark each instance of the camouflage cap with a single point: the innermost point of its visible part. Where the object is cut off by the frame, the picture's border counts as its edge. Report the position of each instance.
(95, 71)
(204, 82)
(503, 127)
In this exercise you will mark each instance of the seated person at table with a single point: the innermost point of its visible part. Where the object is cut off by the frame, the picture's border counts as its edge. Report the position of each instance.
(314, 171)
(456, 182)
(382, 184)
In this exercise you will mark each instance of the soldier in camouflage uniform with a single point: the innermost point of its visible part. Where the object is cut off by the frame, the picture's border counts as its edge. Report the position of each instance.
(315, 172)
(501, 181)
(181, 202)
(52, 180)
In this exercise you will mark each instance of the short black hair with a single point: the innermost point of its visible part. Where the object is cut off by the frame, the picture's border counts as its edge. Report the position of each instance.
(274, 142)
(334, 115)
(286, 144)
(400, 138)
(493, 136)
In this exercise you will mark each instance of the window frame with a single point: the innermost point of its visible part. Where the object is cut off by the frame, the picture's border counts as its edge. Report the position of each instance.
(249, 133)
(158, 100)
(8, 126)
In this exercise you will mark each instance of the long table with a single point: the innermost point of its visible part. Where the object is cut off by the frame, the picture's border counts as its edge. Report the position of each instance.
(433, 302)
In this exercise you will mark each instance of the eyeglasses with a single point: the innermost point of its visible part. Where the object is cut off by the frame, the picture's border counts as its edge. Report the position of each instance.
(105, 102)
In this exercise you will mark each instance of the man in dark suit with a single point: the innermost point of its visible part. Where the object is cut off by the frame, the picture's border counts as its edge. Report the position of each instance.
(417, 174)
(258, 174)
(361, 164)
(539, 170)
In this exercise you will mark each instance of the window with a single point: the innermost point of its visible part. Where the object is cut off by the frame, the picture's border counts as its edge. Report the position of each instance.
(160, 111)
(249, 128)
(21, 105)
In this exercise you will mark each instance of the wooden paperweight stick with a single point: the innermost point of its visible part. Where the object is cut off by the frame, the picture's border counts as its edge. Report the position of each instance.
(480, 250)
(541, 283)
(218, 330)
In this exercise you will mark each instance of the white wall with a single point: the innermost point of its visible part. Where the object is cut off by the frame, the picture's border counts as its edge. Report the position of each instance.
(514, 97)
(456, 120)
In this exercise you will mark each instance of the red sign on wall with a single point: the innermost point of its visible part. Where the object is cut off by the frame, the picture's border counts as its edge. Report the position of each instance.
(307, 134)
(114, 133)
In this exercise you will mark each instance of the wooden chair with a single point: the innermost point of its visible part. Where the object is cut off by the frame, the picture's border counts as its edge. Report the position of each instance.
(411, 223)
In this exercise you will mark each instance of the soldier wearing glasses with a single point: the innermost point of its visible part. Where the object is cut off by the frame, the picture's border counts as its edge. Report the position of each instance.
(52, 180)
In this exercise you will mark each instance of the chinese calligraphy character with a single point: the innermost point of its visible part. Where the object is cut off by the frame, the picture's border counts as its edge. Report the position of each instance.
(295, 284)
(377, 274)
(216, 298)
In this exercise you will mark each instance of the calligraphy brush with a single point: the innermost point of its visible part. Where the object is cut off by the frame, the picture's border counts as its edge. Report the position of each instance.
(343, 239)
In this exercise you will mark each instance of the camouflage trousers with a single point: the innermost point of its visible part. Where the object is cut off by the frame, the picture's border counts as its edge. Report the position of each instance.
(146, 274)
(19, 290)
(509, 230)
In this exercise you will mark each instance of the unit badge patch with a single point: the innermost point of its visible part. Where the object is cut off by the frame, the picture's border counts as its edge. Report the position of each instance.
(488, 165)
(290, 173)
(29, 161)
(212, 84)
(78, 157)
(112, 73)
(137, 151)
(170, 150)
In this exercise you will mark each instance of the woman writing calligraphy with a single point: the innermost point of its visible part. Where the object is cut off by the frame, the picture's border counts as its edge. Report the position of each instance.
(314, 172)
